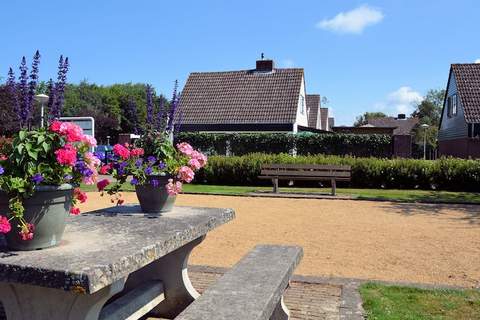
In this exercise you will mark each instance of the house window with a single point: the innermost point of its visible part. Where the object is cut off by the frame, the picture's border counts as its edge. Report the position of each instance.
(302, 104)
(452, 105)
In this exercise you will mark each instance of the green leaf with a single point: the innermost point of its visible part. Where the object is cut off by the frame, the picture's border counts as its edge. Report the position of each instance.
(22, 135)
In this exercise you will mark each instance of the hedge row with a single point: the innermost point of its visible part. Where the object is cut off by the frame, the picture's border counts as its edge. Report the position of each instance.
(442, 174)
(304, 144)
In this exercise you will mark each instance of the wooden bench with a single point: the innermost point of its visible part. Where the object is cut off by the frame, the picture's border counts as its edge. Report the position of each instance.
(332, 173)
(253, 289)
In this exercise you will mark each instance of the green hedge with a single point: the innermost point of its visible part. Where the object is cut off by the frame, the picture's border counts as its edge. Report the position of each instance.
(305, 144)
(442, 174)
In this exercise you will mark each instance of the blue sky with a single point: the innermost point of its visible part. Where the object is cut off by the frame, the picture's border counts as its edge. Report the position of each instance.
(362, 55)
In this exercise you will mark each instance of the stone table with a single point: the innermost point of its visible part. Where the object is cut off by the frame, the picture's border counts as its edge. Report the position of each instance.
(106, 256)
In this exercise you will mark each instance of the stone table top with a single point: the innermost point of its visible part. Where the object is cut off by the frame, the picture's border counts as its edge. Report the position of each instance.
(103, 246)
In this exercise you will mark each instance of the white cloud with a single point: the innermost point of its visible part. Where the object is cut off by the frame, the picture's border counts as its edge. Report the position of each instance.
(402, 100)
(288, 63)
(477, 61)
(353, 21)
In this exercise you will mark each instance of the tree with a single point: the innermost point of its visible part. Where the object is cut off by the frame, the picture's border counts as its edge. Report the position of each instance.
(364, 118)
(428, 111)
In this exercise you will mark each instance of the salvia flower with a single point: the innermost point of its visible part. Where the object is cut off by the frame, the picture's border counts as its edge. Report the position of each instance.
(150, 106)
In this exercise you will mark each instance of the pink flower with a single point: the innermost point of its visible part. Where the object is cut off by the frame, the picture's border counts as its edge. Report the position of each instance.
(121, 151)
(186, 174)
(27, 231)
(200, 157)
(104, 169)
(185, 148)
(55, 126)
(102, 184)
(137, 152)
(91, 159)
(5, 226)
(80, 195)
(73, 132)
(75, 211)
(173, 188)
(67, 155)
(89, 140)
(194, 164)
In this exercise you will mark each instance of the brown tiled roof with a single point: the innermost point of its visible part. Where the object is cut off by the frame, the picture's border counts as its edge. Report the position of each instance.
(241, 97)
(467, 77)
(323, 118)
(402, 126)
(313, 104)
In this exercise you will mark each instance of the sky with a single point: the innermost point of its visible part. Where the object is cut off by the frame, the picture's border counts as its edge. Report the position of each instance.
(361, 55)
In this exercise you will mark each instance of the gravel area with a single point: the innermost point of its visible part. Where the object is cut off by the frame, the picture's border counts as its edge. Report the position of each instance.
(421, 243)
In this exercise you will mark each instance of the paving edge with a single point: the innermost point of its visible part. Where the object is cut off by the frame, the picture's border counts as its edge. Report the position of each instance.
(328, 197)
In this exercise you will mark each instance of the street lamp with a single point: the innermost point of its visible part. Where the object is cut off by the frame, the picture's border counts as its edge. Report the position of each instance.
(42, 98)
(424, 127)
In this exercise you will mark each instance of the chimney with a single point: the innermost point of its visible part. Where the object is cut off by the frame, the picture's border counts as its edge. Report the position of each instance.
(401, 116)
(265, 65)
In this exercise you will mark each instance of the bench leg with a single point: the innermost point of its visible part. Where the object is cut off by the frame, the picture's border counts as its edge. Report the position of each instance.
(275, 185)
(334, 187)
(171, 270)
(281, 311)
(26, 302)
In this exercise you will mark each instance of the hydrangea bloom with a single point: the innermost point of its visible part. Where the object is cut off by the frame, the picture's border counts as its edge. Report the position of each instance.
(67, 155)
(200, 157)
(186, 174)
(173, 188)
(185, 148)
(121, 151)
(137, 152)
(194, 164)
(26, 231)
(5, 226)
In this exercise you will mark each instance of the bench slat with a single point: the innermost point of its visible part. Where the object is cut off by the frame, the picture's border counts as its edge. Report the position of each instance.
(275, 173)
(251, 289)
(306, 166)
(304, 178)
(135, 303)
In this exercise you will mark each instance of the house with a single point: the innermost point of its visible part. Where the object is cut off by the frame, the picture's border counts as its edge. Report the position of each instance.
(400, 128)
(459, 129)
(265, 99)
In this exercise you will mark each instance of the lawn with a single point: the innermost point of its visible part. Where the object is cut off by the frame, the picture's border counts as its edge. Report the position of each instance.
(383, 302)
(366, 194)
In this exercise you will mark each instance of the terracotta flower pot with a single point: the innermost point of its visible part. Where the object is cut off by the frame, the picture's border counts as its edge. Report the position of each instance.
(47, 210)
(155, 199)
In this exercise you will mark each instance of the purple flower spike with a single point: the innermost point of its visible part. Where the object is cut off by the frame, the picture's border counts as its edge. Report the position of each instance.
(149, 94)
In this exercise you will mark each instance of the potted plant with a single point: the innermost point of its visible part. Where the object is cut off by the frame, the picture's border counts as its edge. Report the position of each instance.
(40, 171)
(157, 169)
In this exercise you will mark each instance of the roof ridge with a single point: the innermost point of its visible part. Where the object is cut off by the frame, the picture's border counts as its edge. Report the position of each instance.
(245, 70)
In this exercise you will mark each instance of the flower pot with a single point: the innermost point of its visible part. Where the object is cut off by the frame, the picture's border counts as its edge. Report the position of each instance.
(47, 210)
(155, 199)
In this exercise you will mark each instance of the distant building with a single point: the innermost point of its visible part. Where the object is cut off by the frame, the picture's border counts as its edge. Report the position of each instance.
(265, 99)
(400, 128)
(459, 131)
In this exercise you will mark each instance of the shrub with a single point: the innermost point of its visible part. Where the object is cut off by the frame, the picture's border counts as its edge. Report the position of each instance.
(443, 174)
(304, 144)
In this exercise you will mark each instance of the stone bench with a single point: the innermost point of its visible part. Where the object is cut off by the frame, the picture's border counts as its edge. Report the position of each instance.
(253, 289)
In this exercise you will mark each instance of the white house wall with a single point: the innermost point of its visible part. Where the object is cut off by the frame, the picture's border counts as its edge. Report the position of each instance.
(302, 119)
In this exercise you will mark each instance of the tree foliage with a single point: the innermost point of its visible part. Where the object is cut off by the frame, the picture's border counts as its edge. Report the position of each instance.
(364, 118)
(429, 111)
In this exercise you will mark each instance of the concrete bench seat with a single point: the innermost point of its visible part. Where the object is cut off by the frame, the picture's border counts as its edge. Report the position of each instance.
(253, 289)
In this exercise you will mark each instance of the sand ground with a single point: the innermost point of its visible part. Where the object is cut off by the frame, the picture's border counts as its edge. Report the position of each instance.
(425, 243)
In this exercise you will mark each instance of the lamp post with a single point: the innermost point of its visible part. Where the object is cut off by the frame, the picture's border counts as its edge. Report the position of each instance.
(424, 127)
(42, 98)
